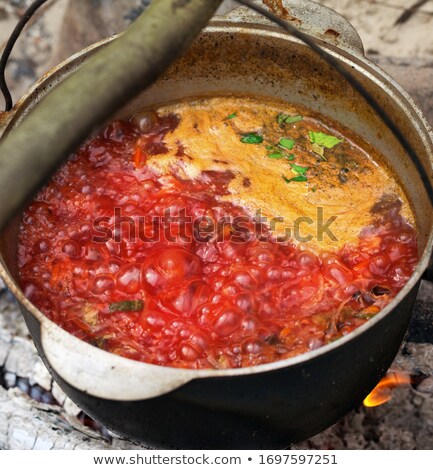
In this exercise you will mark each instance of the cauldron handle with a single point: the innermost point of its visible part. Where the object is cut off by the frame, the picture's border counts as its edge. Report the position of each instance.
(105, 375)
(33, 151)
(5, 117)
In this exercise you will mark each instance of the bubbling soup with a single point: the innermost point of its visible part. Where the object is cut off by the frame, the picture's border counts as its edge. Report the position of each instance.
(218, 232)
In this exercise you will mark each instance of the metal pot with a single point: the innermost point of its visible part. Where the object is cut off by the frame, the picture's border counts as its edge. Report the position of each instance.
(272, 405)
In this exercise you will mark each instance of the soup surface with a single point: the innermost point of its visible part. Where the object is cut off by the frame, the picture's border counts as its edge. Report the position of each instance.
(218, 233)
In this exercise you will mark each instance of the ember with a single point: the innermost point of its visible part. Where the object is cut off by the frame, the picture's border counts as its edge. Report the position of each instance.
(382, 393)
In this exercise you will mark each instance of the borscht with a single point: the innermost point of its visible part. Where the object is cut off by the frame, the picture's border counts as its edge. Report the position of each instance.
(218, 232)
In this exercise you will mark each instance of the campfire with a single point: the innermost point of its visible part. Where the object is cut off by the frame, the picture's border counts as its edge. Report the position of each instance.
(382, 393)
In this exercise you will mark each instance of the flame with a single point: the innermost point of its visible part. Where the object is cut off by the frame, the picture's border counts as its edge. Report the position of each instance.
(382, 393)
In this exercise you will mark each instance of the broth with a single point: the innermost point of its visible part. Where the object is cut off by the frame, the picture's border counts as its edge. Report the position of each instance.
(219, 232)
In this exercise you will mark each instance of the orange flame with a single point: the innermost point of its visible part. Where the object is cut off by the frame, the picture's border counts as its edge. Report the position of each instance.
(382, 393)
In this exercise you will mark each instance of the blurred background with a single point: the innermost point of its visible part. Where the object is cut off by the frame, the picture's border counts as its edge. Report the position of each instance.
(396, 33)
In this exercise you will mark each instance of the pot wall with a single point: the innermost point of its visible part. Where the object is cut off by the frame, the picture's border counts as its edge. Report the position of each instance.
(268, 410)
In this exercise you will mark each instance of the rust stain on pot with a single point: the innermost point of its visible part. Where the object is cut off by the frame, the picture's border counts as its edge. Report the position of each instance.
(4, 119)
(333, 33)
(277, 7)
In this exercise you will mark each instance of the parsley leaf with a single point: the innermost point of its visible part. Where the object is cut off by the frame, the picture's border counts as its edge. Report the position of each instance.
(231, 116)
(286, 143)
(318, 150)
(365, 316)
(276, 155)
(300, 170)
(299, 179)
(291, 156)
(252, 138)
(287, 119)
(127, 306)
(293, 119)
(324, 140)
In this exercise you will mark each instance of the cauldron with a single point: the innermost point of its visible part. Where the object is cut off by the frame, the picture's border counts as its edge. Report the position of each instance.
(272, 405)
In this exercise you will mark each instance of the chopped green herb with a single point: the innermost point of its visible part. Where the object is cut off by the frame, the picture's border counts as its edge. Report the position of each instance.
(293, 119)
(281, 118)
(276, 155)
(365, 316)
(324, 140)
(317, 149)
(127, 306)
(314, 189)
(286, 143)
(231, 116)
(298, 179)
(300, 170)
(252, 138)
(286, 119)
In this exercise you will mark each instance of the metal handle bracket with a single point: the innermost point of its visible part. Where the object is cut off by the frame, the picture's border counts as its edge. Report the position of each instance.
(311, 18)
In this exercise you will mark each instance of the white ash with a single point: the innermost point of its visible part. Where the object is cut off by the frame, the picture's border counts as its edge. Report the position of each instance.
(25, 425)
(22, 358)
(426, 386)
(11, 319)
(18, 356)
(58, 394)
(416, 359)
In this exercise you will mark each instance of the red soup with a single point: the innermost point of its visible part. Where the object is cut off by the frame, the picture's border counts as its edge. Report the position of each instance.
(218, 233)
